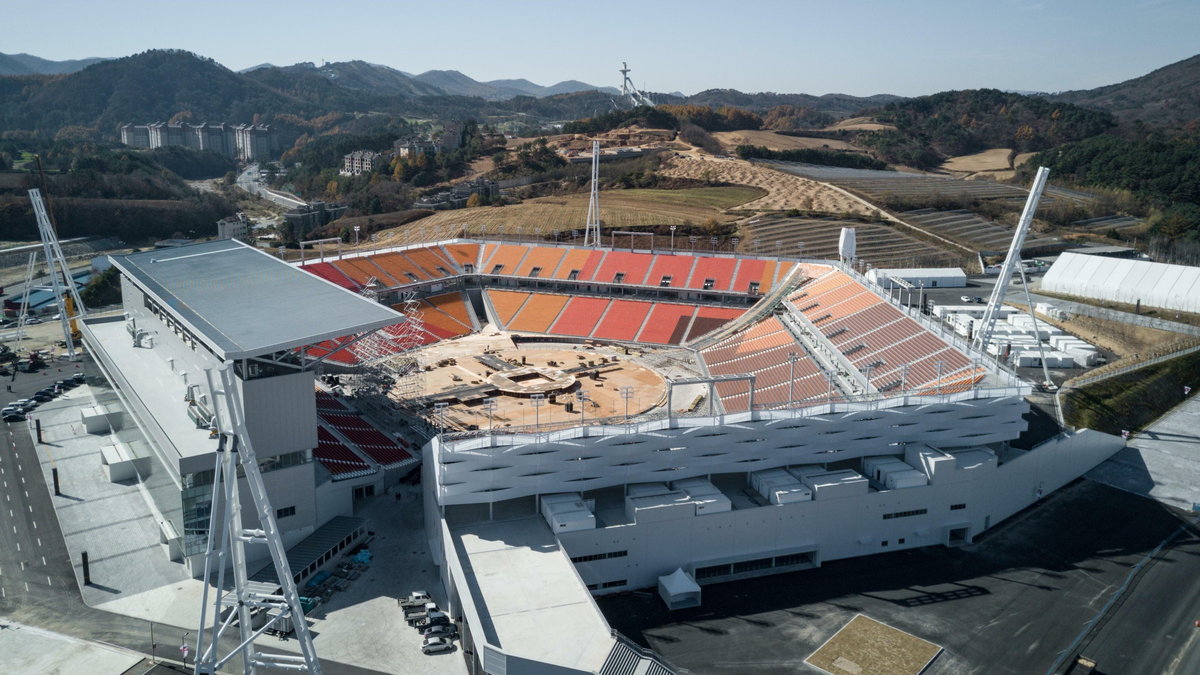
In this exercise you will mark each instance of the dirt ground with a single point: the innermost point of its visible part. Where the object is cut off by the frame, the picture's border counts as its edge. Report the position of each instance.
(604, 394)
(867, 647)
(784, 191)
(774, 141)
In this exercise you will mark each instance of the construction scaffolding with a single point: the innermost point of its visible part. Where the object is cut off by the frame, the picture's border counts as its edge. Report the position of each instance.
(388, 367)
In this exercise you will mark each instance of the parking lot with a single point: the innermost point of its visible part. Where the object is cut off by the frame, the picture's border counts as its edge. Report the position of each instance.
(1011, 602)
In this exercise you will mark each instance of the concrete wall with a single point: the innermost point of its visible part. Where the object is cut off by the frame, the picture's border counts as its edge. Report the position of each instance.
(838, 527)
(495, 468)
(281, 413)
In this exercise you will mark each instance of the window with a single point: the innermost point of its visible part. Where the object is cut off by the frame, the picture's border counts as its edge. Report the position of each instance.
(535, 272)
(905, 514)
(957, 507)
(754, 285)
(883, 544)
(709, 283)
(497, 269)
(411, 276)
(666, 281)
(712, 571)
(900, 540)
(614, 584)
(468, 268)
(619, 278)
(599, 556)
(794, 559)
(443, 271)
(285, 512)
(752, 565)
(574, 275)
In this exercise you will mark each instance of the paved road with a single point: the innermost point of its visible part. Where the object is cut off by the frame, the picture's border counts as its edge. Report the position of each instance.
(37, 581)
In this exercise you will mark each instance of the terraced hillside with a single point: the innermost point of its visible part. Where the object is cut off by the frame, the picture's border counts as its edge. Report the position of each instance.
(972, 230)
(883, 186)
(879, 245)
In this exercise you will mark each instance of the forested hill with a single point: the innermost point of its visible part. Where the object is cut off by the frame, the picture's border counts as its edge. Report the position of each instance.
(930, 128)
(1169, 96)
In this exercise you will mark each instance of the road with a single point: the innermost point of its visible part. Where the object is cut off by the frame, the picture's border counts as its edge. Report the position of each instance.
(38, 586)
(248, 181)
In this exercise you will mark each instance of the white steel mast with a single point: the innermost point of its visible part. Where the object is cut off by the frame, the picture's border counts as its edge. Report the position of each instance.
(57, 263)
(227, 541)
(591, 231)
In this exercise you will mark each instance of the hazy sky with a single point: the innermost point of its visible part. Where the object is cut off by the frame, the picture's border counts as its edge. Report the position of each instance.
(905, 47)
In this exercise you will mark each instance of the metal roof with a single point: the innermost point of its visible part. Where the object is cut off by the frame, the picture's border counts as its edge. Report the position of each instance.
(312, 547)
(242, 302)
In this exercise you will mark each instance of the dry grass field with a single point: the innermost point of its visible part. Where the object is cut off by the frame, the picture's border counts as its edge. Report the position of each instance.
(547, 215)
(784, 191)
(858, 124)
(866, 647)
(774, 141)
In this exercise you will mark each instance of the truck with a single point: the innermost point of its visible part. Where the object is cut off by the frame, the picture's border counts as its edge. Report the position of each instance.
(412, 614)
(434, 618)
(415, 599)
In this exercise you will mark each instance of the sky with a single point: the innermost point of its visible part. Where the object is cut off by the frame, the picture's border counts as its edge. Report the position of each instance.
(903, 47)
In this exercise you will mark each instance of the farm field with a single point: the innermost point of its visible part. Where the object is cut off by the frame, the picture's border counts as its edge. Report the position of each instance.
(784, 191)
(773, 141)
(972, 230)
(859, 124)
(880, 245)
(544, 216)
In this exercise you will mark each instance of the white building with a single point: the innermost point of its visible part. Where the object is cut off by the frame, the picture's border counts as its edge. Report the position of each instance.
(188, 311)
(926, 277)
(1132, 282)
(236, 226)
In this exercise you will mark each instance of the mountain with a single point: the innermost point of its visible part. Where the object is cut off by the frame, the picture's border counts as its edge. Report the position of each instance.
(260, 66)
(454, 82)
(27, 64)
(1169, 96)
(838, 105)
(369, 77)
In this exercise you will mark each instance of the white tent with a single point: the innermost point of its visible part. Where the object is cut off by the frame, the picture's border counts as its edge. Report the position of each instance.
(1128, 281)
(679, 590)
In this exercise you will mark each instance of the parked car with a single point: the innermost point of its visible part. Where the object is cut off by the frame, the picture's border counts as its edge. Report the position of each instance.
(14, 417)
(79, 378)
(446, 630)
(435, 645)
(978, 300)
(965, 298)
(433, 619)
(415, 599)
(42, 397)
(32, 320)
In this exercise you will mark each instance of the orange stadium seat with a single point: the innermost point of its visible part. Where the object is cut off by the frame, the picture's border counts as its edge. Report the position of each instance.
(709, 319)
(543, 259)
(623, 320)
(463, 255)
(667, 324)
(677, 267)
(630, 268)
(330, 273)
(573, 261)
(719, 270)
(506, 303)
(579, 317)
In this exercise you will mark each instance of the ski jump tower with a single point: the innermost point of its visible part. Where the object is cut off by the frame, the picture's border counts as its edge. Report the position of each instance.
(629, 91)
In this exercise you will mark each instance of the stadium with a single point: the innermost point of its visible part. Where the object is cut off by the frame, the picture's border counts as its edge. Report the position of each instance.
(584, 421)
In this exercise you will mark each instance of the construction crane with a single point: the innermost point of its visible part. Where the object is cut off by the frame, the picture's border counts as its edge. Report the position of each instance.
(631, 92)
(1013, 262)
(60, 275)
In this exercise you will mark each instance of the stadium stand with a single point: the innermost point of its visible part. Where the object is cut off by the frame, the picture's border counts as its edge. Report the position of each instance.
(362, 269)
(623, 320)
(400, 267)
(506, 303)
(541, 262)
(370, 440)
(539, 313)
(337, 458)
(573, 262)
(764, 350)
(433, 318)
(431, 261)
(580, 316)
(677, 267)
(456, 306)
(667, 323)
(591, 265)
(713, 273)
(623, 267)
(332, 274)
(328, 403)
(749, 276)
(709, 319)
(504, 259)
(463, 255)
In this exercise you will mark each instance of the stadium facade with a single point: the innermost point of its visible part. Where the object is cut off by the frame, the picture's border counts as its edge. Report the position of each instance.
(820, 420)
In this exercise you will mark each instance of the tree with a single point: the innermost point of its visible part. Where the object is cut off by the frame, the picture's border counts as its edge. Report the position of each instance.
(474, 200)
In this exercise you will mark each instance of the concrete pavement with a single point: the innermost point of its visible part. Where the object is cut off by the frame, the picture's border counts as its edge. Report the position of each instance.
(1161, 462)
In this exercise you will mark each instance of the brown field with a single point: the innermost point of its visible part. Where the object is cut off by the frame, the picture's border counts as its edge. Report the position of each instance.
(544, 216)
(774, 141)
(866, 647)
(995, 159)
(858, 124)
(784, 191)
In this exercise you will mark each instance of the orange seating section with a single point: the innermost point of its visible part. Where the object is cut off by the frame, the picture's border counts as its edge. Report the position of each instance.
(667, 324)
(330, 273)
(633, 267)
(720, 270)
(574, 260)
(463, 254)
(678, 267)
(544, 259)
(456, 305)
(506, 257)
(506, 303)
(709, 319)
(537, 315)
(580, 316)
(623, 320)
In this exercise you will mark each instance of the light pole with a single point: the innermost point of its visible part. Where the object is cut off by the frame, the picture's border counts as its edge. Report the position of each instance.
(903, 378)
(713, 241)
(673, 238)
(626, 393)
(940, 365)
(799, 249)
(792, 359)
(829, 389)
(356, 229)
(439, 414)
(489, 404)
(736, 240)
(581, 397)
(693, 239)
(537, 401)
